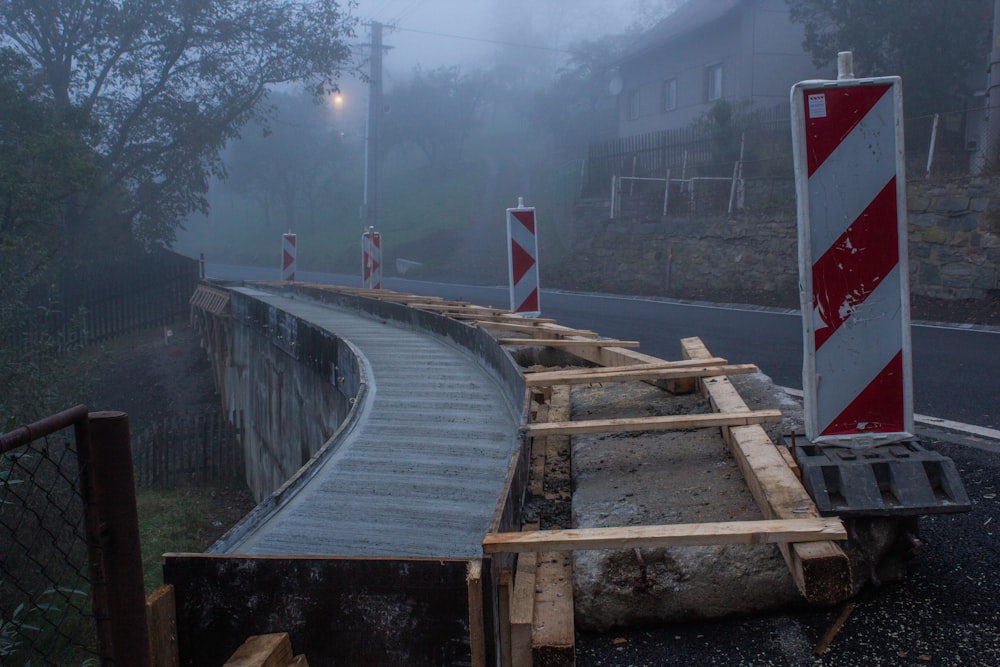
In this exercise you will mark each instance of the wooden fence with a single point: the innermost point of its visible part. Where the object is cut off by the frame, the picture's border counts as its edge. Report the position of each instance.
(694, 151)
(193, 449)
(94, 303)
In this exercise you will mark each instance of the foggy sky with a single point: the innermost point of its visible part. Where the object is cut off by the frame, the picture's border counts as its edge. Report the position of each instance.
(477, 26)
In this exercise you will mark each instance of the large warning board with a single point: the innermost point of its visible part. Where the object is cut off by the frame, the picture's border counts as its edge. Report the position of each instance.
(854, 281)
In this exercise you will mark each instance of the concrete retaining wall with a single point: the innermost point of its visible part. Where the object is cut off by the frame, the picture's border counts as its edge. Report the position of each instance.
(295, 384)
(954, 238)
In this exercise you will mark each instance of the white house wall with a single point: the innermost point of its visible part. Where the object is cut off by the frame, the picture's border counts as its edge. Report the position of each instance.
(760, 51)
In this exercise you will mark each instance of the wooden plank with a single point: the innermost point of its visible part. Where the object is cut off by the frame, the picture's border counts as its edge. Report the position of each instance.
(628, 374)
(553, 634)
(274, 650)
(659, 365)
(538, 455)
(821, 570)
(665, 423)
(504, 592)
(477, 631)
(567, 342)
(522, 610)
(768, 531)
(488, 315)
(161, 618)
(620, 356)
(533, 329)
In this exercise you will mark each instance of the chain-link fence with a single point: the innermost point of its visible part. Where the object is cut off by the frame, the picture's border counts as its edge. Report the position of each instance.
(46, 614)
(71, 590)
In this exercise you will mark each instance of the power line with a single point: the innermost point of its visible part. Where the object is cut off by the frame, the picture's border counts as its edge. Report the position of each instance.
(483, 40)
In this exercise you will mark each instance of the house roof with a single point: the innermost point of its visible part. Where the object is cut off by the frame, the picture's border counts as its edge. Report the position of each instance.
(691, 15)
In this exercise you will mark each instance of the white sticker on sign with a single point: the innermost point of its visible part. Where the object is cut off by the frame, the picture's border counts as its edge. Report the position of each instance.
(817, 105)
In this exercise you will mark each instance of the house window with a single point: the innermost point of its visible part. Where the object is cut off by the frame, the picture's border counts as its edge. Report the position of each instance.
(633, 104)
(713, 82)
(668, 95)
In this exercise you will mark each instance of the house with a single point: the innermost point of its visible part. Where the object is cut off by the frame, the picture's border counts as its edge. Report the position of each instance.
(707, 51)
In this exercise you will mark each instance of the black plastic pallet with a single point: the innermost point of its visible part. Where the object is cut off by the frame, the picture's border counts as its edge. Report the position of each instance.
(898, 479)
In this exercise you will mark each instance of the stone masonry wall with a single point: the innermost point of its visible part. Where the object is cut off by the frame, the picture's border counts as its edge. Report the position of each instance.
(752, 257)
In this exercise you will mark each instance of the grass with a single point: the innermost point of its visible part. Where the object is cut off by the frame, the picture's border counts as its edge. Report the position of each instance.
(186, 519)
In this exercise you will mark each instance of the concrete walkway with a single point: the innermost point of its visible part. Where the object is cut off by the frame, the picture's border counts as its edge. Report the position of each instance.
(422, 472)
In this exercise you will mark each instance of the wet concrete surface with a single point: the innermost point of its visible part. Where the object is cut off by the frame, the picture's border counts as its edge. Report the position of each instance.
(946, 612)
(421, 474)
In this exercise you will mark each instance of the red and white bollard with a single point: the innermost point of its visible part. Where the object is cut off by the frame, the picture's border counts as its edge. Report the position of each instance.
(288, 256)
(371, 259)
(850, 184)
(522, 255)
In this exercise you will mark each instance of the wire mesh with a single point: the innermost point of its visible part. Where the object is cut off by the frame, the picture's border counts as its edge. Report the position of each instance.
(46, 615)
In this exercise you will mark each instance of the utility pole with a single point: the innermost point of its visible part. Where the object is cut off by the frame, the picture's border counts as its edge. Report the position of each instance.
(985, 155)
(373, 136)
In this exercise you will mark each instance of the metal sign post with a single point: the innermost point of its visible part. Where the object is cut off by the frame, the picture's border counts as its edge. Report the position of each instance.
(850, 185)
(371, 259)
(288, 256)
(522, 255)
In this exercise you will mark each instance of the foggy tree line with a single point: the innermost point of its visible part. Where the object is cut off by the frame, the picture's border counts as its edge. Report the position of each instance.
(113, 114)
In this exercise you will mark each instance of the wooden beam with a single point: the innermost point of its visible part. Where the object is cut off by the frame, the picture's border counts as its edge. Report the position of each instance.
(660, 364)
(631, 373)
(477, 629)
(505, 591)
(529, 328)
(522, 610)
(161, 618)
(274, 650)
(653, 537)
(553, 635)
(666, 423)
(821, 570)
(567, 342)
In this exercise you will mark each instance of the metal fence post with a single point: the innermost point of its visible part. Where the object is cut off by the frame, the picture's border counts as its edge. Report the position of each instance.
(121, 558)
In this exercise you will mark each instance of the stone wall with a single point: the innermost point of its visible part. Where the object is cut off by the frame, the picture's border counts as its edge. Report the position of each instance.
(752, 257)
(954, 240)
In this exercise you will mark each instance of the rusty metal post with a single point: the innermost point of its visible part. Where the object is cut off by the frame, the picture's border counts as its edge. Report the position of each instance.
(120, 556)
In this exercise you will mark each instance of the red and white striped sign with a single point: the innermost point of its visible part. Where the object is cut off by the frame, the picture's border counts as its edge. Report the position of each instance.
(288, 256)
(850, 183)
(371, 259)
(522, 255)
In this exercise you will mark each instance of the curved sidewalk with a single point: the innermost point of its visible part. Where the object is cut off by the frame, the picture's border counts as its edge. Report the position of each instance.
(422, 472)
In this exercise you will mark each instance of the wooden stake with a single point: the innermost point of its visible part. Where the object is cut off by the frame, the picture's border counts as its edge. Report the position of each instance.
(831, 633)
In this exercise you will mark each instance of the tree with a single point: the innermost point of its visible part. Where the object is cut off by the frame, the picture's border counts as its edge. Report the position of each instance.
(163, 84)
(435, 111)
(301, 164)
(44, 167)
(933, 45)
(578, 107)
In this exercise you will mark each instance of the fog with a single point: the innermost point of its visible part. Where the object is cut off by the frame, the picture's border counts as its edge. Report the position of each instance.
(477, 33)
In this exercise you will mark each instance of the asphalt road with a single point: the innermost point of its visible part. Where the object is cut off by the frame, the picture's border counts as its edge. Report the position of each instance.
(956, 369)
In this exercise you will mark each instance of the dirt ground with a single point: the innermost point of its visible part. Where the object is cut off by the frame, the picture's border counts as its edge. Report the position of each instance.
(158, 374)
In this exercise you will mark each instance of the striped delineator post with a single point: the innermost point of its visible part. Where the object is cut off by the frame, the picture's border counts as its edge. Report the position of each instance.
(371, 259)
(288, 256)
(853, 271)
(522, 255)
